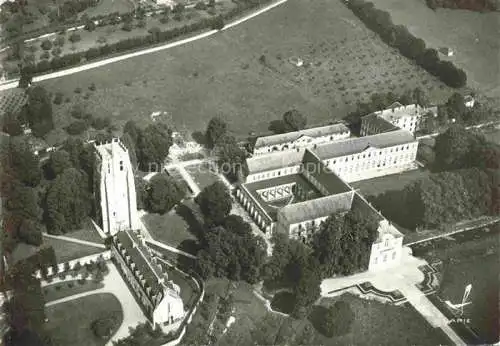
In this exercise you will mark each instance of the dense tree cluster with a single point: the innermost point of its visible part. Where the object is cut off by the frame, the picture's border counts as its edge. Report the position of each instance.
(216, 130)
(38, 111)
(20, 176)
(411, 47)
(149, 146)
(231, 159)
(466, 186)
(162, 194)
(68, 201)
(336, 320)
(473, 5)
(341, 246)
(25, 311)
(228, 247)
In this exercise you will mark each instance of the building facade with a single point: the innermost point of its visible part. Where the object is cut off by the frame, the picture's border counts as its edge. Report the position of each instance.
(148, 279)
(302, 139)
(115, 193)
(353, 159)
(403, 117)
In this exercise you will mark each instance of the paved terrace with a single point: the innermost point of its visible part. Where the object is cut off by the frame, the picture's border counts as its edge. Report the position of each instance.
(403, 278)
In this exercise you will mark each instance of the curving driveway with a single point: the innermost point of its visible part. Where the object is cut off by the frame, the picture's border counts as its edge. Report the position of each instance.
(114, 284)
(89, 66)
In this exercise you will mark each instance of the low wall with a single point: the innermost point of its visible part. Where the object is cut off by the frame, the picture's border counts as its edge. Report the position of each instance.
(105, 255)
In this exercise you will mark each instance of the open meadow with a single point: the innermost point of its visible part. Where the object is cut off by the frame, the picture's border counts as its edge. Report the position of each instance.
(245, 76)
(473, 36)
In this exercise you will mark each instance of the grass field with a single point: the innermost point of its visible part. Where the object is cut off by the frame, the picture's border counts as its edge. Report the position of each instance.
(493, 136)
(69, 322)
(376, 186)
(87, 233)
(202, 175)
(472, 35)
(110, 6)
(474, 262)
(375, 324)
(50, 292)
(219, 76)
(66, 251)
(169, 228)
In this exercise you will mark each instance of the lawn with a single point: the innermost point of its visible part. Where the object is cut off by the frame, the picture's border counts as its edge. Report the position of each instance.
(187, 286)
(250, 84)
(169, 228)
(66, 251)
(202, 175)
(472, 35)
(110, 6)
(69, 322)
(473, 262)
(374, 324)
(376, 186)
(69, 288)
(87, 233)
(493, 136)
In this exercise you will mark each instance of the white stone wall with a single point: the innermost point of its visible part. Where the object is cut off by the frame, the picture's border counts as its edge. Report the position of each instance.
(373, 162)
(106, 255)
(273, 173)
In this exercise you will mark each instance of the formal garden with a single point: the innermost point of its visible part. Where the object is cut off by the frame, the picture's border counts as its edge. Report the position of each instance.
(88, 321)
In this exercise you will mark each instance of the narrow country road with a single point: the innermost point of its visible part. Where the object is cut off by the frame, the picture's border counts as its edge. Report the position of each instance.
(14, 83)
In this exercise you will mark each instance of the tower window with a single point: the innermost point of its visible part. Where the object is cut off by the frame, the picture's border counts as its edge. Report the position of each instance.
(121, 165)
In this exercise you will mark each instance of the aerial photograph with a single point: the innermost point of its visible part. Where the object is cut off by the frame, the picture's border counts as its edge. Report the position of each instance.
(249, 172)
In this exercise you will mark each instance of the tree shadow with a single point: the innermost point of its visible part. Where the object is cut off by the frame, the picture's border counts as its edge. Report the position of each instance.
(199, 137)
(317, 316)
(277, 126)
(194, 227)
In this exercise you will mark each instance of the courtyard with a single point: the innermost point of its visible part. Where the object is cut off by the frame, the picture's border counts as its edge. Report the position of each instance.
(256, 80)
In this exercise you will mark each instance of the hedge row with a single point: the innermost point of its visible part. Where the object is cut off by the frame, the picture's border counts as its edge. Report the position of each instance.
(155, 37)
(409, 46)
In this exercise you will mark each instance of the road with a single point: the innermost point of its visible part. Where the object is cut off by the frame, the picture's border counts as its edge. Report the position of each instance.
(14, 83)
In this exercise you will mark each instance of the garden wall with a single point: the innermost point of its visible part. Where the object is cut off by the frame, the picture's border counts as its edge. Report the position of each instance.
(106, 255)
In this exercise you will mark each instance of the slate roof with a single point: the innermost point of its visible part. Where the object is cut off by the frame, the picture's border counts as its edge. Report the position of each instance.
(263, 163)
(286, 179)
(292, 136)
(316, 208)
(358, 145)
(326, 177)
(379, 123)
(139, 255)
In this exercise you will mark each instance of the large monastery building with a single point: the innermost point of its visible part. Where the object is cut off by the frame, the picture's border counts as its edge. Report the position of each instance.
(306, 138)
(115, 193)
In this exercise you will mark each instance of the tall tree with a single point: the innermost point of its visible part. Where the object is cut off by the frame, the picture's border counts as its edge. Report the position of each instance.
(231, 159)
(153, 145)
(215, 203)
(11, 124)
(39, 111)
(163, 193)
(216, 130)
(294, 120)
(59, 161)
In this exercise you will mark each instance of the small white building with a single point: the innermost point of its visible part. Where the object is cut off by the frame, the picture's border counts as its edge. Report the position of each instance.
(116, 195)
